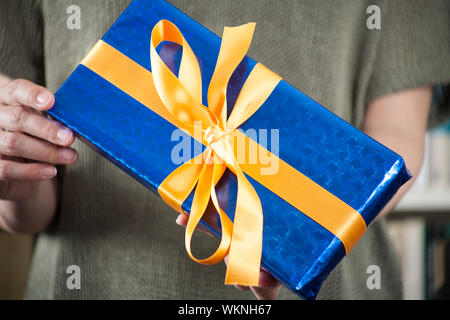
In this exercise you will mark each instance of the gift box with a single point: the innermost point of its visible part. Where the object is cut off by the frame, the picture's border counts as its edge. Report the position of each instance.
(329, 184)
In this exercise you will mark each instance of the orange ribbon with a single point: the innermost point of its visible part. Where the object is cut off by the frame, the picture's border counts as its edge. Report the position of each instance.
(182, 96)
(179, 101)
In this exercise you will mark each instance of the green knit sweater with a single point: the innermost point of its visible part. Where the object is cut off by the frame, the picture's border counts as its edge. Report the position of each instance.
(122, 236)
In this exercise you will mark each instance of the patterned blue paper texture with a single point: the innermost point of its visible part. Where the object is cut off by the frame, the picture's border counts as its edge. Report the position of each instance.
(328, 150)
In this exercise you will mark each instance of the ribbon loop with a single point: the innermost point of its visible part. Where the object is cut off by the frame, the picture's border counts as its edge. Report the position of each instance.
(205, 189)
(181, 96)
(234, 46)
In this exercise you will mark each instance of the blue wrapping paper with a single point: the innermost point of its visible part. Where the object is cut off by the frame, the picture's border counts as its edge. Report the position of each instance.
(343, 160)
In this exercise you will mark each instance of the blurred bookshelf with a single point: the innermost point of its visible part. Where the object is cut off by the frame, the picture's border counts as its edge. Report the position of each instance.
(427, 202)
(420, 224)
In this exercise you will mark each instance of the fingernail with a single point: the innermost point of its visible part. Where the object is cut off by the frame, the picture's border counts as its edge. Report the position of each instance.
(42, 99)
(64, 135)
(67, 154)
(49, 172)
(178, 221)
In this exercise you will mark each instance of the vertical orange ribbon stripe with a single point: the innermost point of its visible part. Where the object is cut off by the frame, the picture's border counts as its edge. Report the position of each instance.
(178, 100)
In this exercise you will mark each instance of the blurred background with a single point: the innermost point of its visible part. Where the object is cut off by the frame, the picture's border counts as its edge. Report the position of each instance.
(420, 225)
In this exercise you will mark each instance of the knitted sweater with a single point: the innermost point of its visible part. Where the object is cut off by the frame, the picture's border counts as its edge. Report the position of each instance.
(121, 235)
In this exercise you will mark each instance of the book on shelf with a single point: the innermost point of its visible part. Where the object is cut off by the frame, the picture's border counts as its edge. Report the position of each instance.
(437, 250)
(435, 173)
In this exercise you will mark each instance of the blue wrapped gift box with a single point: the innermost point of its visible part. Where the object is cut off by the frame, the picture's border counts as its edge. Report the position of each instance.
(341, 159)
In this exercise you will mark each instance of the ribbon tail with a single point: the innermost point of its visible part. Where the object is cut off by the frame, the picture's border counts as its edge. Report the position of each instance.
(244, 258)
(177, 186)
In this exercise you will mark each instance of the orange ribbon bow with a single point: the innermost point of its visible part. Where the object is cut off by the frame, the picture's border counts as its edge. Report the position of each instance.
(182, 96)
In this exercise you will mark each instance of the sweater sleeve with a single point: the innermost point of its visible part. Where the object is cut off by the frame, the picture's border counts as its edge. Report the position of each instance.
(21, 40)
(414, 51)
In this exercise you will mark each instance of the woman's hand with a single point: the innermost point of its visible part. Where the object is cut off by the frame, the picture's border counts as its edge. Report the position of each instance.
(268, 287)
(30, 146)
